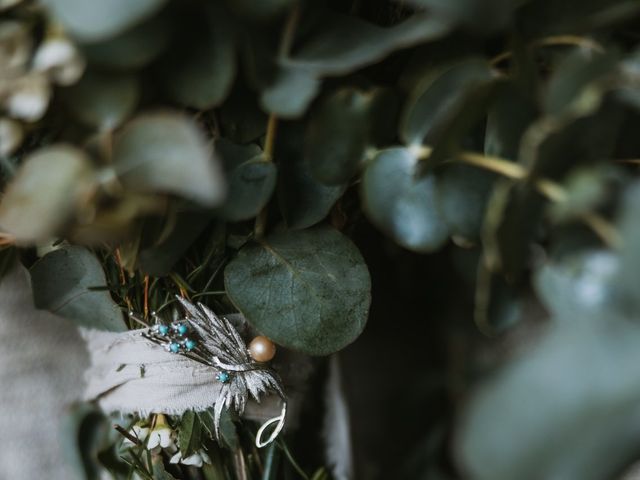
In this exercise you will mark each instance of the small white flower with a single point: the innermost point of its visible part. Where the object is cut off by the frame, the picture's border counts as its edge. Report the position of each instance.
(137, 431)
(160, 436)
(61, 59)
(195, 460)
(28, 97)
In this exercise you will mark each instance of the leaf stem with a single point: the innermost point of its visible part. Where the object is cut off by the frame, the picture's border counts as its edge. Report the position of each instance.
(286, 42)
(548, 188)
(554, 40)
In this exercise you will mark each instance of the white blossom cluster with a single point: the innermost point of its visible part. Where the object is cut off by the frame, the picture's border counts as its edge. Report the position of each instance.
(29, 70)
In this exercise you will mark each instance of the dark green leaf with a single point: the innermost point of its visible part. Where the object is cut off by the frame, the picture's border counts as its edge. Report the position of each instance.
(580, 286)
(202, 65)
(441, 96)
(508, 118)
(167, 152)
(514, 213)
(462, 195)
(228, 433)
(61, 281)
(48, 189)
(303, 200)
(101, 100)
(251, 180)
(307, 290)
(92, 20)
(159, 472)
(576, 85)
(189, 434)
(290, 91)
(401, 203)
(346, 43)
(566, 408)
(133, 48)
(158, 260)
(337, 136)
(484, 16)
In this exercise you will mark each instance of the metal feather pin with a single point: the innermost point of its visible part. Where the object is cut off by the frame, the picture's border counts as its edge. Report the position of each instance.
(211, 340)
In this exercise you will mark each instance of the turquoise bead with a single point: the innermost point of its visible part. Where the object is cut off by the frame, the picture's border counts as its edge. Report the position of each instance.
(190, 344)
(174, 347)
(223, 377)
(163, 329)
(182, 329)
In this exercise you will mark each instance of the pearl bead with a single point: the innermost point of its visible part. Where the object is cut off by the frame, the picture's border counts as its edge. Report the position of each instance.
(262, 349)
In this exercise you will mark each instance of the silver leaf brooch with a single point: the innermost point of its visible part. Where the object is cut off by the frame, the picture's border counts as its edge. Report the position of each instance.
(243, 372)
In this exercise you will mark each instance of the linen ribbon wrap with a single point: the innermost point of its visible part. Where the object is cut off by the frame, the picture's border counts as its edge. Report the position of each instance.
(49, 364)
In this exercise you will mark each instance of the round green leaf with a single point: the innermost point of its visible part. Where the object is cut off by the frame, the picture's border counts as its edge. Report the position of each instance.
(440, 97)
(401, 203)
(337, 136)
(290, 92)
(46, 192)
(303, 200)
(565, 408)
(167, 152)
(103, 100)
(581, 285)
(92, 20)
(135, 48)
(64, 282)
(307, 290)
(251, 180)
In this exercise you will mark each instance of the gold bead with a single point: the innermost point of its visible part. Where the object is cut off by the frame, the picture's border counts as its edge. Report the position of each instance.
(262, 349)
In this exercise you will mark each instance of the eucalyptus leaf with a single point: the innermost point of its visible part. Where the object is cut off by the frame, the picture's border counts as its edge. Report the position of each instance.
(64, 283)
(401, 203)
(346, 43)
(251, 179)
(134, 48)
(485, 16)
(307, 290)
(441, 95)
(290, 92)
(577, 83)
(580, 286)
(590, 403)
(46, 193)
(303, 200)
(337, 136)
(167, 152)
(463, 193)
(201, 66)
(102, 100)
(92, 20)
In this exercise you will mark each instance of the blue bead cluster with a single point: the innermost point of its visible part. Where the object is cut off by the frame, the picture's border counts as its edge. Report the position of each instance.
(176, 336)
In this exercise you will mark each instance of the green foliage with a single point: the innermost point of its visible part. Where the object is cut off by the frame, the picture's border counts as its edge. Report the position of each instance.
(243, 153)
(70, 281)
(307, 290)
